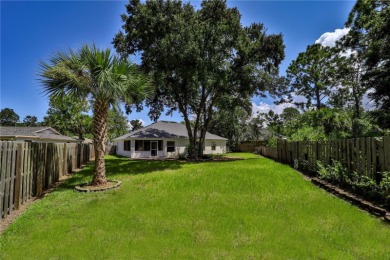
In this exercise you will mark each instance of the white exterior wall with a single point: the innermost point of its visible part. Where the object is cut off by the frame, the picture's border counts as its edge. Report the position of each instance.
(120, 149)
(220, 147)
(180, 146)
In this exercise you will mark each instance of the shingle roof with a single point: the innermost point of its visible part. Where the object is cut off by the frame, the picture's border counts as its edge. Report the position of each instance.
(164, 129)
(33, 132)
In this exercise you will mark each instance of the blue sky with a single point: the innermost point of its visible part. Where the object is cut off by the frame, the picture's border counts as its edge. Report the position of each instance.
(32, 30)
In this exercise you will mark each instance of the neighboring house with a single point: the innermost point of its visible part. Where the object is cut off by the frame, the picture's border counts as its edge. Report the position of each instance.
(163, 139)
(266, 134)
(33, 134)
(84, 141)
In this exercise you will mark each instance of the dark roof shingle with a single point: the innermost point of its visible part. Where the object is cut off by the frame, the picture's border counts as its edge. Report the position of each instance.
(164, 129)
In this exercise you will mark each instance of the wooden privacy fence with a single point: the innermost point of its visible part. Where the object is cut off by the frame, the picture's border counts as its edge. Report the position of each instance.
(270, 152)
(28, 169)
(369, 156)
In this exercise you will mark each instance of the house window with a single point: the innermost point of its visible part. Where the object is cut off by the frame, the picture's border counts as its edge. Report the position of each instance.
(142, 145)
(170, 146)
(139, 145)
(160, 145)
(213, 146)
(126, 145)
(146, 145)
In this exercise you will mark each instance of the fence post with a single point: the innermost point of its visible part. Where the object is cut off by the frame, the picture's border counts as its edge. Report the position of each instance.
(65, 166)
(18, 175)
(386, 143)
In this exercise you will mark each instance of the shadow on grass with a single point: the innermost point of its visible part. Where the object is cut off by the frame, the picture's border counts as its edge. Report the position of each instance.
(116, 166)
(120, 166)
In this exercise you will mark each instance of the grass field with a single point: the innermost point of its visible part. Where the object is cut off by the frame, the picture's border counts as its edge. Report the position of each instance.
(244, 209)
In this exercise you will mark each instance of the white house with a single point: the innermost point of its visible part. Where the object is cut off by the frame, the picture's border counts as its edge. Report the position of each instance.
(163, 139)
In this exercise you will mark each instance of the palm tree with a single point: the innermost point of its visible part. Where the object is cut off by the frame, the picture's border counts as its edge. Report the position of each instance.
(104, 80)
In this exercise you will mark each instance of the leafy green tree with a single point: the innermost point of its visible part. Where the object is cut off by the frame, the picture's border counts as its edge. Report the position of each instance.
(334, 123)
(254, 127)
(30, 121)
(369, 36)
(8, 117)
(197, 57)
(117, 124)
(68, 115)
(231, 123)
(309, 133)
(290, 118)
(311, 75)
(289, 113)
(104, 80)
(135, 124)
(350, 91)
(273, 121)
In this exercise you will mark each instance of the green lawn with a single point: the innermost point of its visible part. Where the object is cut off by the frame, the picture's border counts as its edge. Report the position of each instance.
(244, 209)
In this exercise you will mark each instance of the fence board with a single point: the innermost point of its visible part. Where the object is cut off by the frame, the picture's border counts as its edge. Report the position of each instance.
(27, 171)
(381, 155)
(18, 175)
(3, 158)
(386, 151)
(7, 180)
(369, 157)
(40, 170)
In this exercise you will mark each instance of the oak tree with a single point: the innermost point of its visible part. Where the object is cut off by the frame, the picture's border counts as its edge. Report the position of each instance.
(198, 56)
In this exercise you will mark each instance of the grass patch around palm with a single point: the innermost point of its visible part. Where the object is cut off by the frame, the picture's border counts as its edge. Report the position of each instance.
(248, 208)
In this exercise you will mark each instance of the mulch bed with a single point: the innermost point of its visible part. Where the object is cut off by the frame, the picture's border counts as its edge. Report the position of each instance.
(341, 193)
(88, 187)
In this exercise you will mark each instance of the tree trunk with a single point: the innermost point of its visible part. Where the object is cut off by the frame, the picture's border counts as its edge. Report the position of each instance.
(318, 97)
(192, 139)
(201, 143)
(100, 115)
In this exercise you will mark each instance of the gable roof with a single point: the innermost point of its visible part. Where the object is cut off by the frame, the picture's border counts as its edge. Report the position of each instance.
(164, 129)
(33, 132)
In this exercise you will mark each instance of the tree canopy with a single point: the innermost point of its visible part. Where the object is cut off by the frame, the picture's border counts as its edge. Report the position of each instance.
(311, 74)
(369, 21)
(135, 124)
(68, 115)
(198, 57)
(117, 124)
(8, 117)
(30, 121)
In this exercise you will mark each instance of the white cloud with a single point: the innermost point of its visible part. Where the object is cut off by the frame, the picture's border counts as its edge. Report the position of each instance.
(347, 53)
(263, 107)
(368, 104)
(330, 38)
(142, 121)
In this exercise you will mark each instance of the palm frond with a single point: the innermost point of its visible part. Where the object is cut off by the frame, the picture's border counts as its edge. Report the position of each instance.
(94, 72)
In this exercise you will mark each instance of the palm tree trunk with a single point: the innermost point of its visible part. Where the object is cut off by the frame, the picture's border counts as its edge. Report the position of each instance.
(100, 116)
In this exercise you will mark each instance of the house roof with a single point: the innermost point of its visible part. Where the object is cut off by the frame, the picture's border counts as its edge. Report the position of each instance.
(33, 132)
(85, 140)
(164, 129)
(266, 134)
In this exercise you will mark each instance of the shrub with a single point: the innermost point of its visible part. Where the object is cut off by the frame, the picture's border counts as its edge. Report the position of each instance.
(334, 173)
(364, 185)
(385, 185)
(273, 142)
(359, 183)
